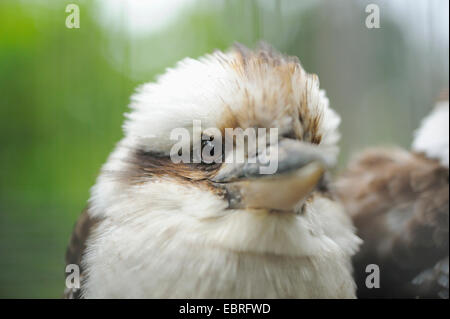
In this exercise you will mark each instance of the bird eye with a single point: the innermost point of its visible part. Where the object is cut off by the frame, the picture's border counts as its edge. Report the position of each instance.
(208, 144)
(211, 151)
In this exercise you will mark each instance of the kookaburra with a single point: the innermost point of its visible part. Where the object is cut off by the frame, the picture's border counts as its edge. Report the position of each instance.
(399, 202)
(159, 229)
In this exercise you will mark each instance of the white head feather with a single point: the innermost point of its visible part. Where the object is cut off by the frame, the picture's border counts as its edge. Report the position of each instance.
(208, 88)
(432, 137)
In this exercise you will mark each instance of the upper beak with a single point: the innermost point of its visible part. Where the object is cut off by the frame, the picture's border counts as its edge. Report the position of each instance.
(299, 168)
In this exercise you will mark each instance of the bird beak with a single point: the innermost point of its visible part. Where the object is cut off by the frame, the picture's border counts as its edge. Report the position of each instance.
(300, 167)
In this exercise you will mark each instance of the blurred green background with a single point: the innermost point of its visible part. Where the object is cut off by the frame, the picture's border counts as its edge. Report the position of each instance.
(63, 93)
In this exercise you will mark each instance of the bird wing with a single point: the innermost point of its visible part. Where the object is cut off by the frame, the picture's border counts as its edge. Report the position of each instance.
(433, 282)
(77, 246)
(398, 201)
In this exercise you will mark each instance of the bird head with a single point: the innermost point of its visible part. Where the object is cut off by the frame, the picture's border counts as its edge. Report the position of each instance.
(432, 136)
(174, 172)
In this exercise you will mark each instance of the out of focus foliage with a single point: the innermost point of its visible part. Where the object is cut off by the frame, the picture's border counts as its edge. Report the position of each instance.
(63, 93)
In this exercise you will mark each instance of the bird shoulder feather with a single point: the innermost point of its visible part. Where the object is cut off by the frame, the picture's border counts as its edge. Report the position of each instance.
(77, 246)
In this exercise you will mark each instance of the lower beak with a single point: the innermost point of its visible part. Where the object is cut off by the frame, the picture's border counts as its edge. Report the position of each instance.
(300, 167)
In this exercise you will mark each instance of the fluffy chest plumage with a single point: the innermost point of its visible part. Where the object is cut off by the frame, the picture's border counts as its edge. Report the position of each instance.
(161, 254)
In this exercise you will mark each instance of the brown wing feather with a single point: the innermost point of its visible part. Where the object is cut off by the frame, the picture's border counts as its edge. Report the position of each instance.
(399, 204)
(77, 245)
